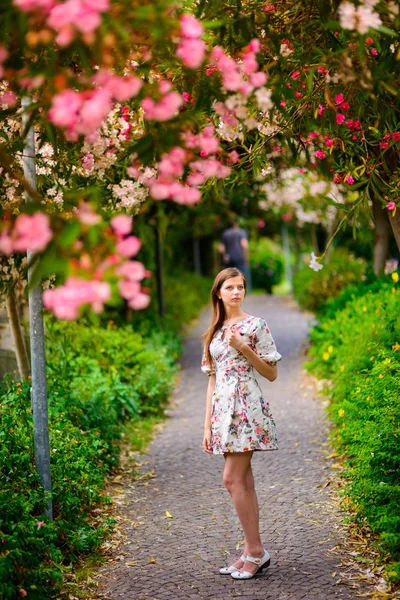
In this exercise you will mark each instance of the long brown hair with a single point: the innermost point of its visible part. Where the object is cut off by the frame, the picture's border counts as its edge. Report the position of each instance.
(218, 314)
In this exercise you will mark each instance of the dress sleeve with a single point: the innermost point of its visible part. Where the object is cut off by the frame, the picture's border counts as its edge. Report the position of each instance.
(205, 366)
(265, 345)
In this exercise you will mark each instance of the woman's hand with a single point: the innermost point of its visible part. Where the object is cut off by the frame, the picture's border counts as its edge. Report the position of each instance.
(207, 441)
(235, 340)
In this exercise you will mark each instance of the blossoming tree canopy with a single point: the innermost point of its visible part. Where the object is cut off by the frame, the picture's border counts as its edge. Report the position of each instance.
(134, 101)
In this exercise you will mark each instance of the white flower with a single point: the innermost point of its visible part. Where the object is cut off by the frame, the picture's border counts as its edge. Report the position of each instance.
(263, 97)
(285, 50)
(367, 20)
(347, 15)
(314, 264)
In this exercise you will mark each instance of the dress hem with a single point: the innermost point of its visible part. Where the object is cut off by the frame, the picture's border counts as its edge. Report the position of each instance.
(250, 450)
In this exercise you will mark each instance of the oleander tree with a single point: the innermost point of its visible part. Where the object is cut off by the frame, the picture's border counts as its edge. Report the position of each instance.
(136, 100)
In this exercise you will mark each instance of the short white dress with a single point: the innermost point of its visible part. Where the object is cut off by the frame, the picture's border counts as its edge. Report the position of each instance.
(241, 419)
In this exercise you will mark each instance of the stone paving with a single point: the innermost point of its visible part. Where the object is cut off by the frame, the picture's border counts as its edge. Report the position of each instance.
(175, 558)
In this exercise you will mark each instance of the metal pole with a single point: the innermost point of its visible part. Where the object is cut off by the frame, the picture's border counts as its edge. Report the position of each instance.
(286, 254)
(38, 362)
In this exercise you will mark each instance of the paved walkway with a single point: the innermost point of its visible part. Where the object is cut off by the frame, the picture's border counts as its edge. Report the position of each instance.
(175, 558)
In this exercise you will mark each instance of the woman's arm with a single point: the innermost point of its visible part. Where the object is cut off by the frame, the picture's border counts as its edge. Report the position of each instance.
(267, 370)
(207, 421)
(210, 391)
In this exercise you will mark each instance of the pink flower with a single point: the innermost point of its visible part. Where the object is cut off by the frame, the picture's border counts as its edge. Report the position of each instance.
(209, 71)
(121, 224)
(129, 246)
(268, 8)
(233, 157)
(86, 214)
(345, 106)
(283, 104)
(191, 52)
(65, 301)
(231, 81)
(124, 88)
(374, 52)
(347, 15)
(298, 95)
(349, 179)
(383, 145)
(23, 592)
(88, 162)
(337, 179)
(165, 109)
(369, 41)
(255, 45)
(340, 118)
(140, 301)
(65, 107)
(261, 223)
(396, 135)
(321, 110)
(186, 96)
(39, 524)
(3, 54)
(33, 5)
(191, 28)
(319, 154)
(6, 245)
(295, 75)
(329, 142)
(8, 98)
(391, 205)
(258, 79)
(32, 233)
(249, 64)
(339, 99)
(132, 270)
(128, 289)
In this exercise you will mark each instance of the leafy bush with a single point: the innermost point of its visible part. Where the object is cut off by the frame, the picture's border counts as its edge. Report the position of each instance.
(98, 377)
(313, 289)
(358, 350)
(266, 263)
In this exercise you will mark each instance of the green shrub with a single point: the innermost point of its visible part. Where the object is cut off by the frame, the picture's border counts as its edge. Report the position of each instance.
(266, 263)
(359, 352)
(313, 289)
(98, 377)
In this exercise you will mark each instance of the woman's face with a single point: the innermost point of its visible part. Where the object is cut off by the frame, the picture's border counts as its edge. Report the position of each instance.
(232, 291)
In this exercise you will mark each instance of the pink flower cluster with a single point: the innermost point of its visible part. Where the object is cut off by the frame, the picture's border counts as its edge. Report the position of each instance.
(82, 113)
(239, 76)
(359, 18)
(29, 233)
(68, 17)
(166, 108)
(65, 301)
(191, 50)
(174, 164)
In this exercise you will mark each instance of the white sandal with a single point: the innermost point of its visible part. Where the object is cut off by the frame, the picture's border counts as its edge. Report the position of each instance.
(232, 569)
(261, 562)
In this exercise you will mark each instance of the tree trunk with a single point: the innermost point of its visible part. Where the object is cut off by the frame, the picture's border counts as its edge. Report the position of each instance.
(395, 223)
(39, 386)
(17, 335)
(382, 236)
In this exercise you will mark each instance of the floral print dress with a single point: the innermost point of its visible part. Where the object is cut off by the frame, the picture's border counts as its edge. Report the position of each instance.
(241, 419)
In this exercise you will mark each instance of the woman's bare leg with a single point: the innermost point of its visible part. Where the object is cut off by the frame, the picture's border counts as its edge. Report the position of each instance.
(240, 485)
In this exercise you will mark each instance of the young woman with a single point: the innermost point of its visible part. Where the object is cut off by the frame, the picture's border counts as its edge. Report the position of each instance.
(238, 421)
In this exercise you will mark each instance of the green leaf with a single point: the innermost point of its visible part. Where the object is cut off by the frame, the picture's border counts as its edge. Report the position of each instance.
(69, 234)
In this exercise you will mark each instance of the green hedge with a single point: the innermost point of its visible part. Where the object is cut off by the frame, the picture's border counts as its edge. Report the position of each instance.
(314, 289)
(266, 263)
(98, 377)
(357, 347)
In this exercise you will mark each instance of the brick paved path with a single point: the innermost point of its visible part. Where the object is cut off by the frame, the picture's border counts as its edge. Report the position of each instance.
(178, 558)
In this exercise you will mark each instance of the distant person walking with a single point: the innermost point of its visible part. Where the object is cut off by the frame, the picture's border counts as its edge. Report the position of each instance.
(234, 247)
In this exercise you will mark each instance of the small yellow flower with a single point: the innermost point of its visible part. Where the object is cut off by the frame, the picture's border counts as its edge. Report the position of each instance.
(396, 347)
(342, 368)
(358, 390)
(386, 361)
(326, 356)
(372, 358)
(340, 412)
(380, 376)
(330, 349)
(365, 308)
(369, 398)
(395, 276)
